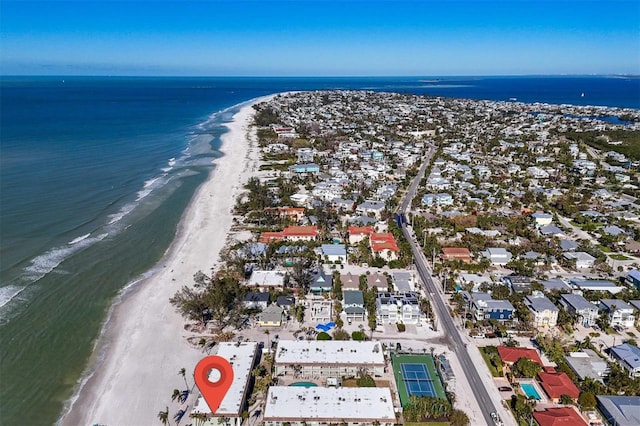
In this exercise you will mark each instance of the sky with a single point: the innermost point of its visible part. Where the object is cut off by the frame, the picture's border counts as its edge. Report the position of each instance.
(319, 38)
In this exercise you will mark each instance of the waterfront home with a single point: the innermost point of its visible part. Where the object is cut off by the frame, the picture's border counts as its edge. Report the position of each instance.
(256, 299)
(266, 280)
(321, 282)
(305, 168)
(272, 316)
(291, 233)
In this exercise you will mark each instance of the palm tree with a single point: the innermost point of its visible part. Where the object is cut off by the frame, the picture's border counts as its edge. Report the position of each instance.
(200, 418)
(182, 372)
(179, 416)
(184, 395)
(175, 395)
(164, 416)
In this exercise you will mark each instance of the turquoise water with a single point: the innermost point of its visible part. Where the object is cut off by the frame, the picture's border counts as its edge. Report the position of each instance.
(530, 391)
(304, 384)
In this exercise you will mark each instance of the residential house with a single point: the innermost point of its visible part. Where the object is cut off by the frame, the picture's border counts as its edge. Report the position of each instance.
(291, 233)
(305, 168)
(595, 285)
(551, 231)
(334, 253)
(392, 308)
(576, 304)
(619, 410)
(384, 245)
(633, 278)
(286, 302)
(620, 313)
(440, 199)
(628, 357)
(510, 355)
(456, 253)
(353, 305)
(474, 281)
(583, 260)
(556, 284)
(371, 207)
(586, 363)
(321, 282)
(559, 416)
(518, 283)
(377, 281)
(542, 219)
(403, 281)
(359, 233)
(350, 281)
(545, 313)
(254, 299)
(557, 384)
(266, 280)
(484, 307)
(497, 255)
(272, 316)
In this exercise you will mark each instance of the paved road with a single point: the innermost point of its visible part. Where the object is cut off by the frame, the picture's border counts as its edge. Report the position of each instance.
(441, 310)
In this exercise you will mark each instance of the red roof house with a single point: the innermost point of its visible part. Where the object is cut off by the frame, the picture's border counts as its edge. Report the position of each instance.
(557, 384)
(456, 253)
(359, 233)
(510, 355)
(291, 233)
(564, 416)
(384, 245)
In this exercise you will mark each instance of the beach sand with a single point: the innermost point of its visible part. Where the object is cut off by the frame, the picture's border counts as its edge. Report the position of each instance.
(143, 344)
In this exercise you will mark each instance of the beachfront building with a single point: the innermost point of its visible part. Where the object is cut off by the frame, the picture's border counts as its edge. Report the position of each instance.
(291, 233)
(308, 359)
(318, 308)
(353, 305)
(576, 304)
(271, 317)
(266, 280)
(359, 233)
(545, 313)
(295, 405)
(243, 357)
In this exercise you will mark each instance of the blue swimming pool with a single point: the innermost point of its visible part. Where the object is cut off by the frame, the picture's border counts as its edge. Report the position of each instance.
(304, 384)
(530, 391)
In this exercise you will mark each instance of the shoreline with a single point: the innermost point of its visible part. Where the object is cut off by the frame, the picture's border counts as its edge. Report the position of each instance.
(142, 346)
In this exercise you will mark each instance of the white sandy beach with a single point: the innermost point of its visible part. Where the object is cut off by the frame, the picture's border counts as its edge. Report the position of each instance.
(144, 341)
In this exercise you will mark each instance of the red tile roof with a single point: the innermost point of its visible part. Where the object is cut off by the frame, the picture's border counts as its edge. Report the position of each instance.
(453, 253)
(300, 231)
(558, 384)
(383, 241)
(564, 416)
(359, 230)
(511, 355)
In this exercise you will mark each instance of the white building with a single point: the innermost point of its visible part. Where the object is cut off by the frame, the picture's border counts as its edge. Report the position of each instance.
(497, 255)
(620, 312)
(397, 308)
(332, 358)
(322, 406)
(243, 357)
(545, 313)
(583, 260)
(266, 280)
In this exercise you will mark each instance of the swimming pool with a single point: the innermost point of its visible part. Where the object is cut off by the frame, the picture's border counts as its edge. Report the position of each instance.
(530, 391)
(304, 384)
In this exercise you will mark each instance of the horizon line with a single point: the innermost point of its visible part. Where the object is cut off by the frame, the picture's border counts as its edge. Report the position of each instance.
(320, 76)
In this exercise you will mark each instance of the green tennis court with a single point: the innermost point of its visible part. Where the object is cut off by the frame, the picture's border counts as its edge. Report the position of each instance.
(416, 376)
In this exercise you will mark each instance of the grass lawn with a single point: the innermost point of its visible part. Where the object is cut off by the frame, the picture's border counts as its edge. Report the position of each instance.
(604, 249)
(490, 353)
(349, 383)
(619, 257)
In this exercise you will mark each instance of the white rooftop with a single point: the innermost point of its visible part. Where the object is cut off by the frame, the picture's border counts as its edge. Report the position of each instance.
(363, 405)
(329, 352)
(241, 357)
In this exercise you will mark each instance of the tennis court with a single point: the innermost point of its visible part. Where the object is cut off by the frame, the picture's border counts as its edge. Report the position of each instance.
(416, 376)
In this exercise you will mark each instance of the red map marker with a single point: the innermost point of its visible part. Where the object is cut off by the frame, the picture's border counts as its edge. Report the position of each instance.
(213, 393)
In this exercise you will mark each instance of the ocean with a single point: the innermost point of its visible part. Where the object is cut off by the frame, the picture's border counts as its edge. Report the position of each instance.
(95, 173)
